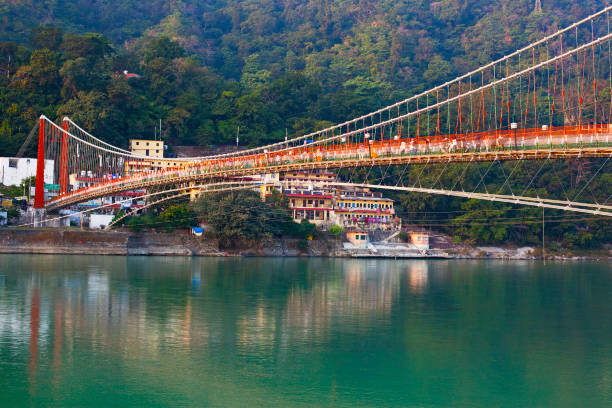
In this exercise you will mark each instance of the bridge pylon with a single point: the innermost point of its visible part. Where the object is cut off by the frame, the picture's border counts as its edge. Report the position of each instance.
(39, 190)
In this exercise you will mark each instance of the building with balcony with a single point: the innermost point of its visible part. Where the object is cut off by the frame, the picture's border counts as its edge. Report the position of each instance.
(315, 206)
(309, 198)
(365, 209)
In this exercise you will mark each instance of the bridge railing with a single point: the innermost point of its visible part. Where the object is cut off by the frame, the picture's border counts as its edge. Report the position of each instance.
(577, 137)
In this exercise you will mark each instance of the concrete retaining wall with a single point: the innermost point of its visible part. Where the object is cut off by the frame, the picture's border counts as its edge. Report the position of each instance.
(50, 241)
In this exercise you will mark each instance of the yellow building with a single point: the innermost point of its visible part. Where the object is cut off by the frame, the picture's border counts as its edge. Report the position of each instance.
(363, 207)
(419, 239)
(149, 148)
(357, 238)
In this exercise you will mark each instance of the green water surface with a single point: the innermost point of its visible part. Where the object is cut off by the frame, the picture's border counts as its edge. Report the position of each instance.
(84, 331)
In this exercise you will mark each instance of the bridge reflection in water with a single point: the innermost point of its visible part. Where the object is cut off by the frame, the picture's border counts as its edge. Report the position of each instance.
(278, 332)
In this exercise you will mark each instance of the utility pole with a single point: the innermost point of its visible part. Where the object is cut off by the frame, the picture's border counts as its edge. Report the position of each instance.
(237, 136)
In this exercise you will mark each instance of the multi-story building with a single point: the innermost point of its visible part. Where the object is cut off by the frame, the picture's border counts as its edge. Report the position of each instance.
(153, 149)
(362, 207)
(149, 148)
(316, 206)
(324, 205)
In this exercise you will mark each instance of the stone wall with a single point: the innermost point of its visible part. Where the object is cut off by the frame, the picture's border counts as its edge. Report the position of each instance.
(53, 241)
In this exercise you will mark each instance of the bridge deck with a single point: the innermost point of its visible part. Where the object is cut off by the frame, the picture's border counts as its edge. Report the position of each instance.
(215, 171)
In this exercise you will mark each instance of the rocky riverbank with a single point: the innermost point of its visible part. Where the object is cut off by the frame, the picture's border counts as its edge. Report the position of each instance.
(69, 241)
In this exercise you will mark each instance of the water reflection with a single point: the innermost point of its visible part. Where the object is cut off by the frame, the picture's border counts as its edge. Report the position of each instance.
(275, 320)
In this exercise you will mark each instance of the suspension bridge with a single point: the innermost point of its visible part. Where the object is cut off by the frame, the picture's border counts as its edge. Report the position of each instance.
(550, 100)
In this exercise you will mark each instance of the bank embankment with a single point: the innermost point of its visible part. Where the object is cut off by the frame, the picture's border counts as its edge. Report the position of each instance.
(70, 241)
(56, 241)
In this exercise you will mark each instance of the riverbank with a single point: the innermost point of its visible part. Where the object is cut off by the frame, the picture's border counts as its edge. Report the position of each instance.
(61, 241)
(69, 241)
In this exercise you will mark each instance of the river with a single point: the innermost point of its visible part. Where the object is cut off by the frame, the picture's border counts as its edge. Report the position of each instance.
(88, 331)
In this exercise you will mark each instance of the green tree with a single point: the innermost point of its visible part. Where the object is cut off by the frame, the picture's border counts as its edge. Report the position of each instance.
(336, 231)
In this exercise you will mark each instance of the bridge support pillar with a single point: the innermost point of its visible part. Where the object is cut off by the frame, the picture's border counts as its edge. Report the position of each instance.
(36, 217)
(39, 218)
(39, 197)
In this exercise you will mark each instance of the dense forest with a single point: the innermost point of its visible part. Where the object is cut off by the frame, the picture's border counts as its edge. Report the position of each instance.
(206, 68)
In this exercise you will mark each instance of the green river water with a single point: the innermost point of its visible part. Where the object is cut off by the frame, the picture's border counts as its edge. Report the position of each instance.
(88, 331)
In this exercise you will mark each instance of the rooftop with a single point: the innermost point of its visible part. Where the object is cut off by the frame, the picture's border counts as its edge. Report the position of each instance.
(357, 198)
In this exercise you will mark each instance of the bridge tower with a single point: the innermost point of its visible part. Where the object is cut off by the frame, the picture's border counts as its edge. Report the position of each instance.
(63, 176)
(39, 197)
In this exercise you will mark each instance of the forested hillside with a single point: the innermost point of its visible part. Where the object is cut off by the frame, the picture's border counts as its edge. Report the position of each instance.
(266, 66)
(210, 66)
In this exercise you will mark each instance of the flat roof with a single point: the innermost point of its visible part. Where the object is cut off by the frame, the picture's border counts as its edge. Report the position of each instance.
(343, 197)
(146, 140)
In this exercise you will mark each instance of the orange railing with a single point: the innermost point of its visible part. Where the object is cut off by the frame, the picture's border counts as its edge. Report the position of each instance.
(519, 139)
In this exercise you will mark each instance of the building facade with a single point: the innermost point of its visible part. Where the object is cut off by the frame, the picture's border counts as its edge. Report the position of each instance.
(315, 206)
(355, 208)
(14, 170)
(149, 148)
(363, 208)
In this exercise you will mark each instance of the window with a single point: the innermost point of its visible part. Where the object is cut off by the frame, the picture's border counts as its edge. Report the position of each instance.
(147, 143)
(137, 143)
(13, 163)
(321, 202)
(309, 201)
(147, 152)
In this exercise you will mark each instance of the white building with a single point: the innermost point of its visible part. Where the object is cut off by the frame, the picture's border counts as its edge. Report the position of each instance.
(14, 170)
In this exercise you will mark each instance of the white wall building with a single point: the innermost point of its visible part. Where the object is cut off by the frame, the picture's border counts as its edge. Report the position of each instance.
(13, 170)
